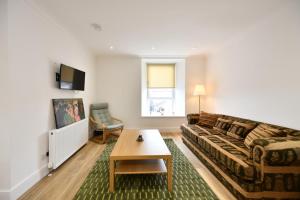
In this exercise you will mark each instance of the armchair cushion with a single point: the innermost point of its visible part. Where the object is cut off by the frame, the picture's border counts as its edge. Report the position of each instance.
(115, 126)
(102, 116)
(103, 119)
(98, 106)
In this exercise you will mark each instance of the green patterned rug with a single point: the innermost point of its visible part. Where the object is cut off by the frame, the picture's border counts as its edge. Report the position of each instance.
(187, 183)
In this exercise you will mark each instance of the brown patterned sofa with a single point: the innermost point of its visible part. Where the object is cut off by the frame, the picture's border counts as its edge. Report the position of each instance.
(253, 160)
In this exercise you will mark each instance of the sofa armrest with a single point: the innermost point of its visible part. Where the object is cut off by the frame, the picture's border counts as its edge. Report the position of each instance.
(277, 151)
(276, 155)
(193, 118)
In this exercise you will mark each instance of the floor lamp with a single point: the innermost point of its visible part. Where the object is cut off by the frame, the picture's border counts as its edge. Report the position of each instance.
(199, 91)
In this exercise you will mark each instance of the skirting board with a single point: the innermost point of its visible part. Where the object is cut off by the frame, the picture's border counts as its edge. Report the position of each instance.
(20, 188)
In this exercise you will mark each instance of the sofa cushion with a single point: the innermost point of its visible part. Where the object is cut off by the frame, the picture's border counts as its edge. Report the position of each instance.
(227, 155)
(201, 130)
(207, 119)
(240, 130)
(262, 131)
(222, 125)
(192, 131)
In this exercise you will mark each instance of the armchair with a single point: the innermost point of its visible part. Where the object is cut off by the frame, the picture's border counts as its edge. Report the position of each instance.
(101, 120)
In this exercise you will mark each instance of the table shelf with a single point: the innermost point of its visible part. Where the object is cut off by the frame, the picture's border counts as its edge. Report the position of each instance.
(140, 167)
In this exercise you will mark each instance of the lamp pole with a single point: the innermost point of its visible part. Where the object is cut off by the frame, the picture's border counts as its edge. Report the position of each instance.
(199, 91)
(199, 104)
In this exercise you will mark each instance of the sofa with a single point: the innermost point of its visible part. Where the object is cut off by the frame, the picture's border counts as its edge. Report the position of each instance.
(254, 160)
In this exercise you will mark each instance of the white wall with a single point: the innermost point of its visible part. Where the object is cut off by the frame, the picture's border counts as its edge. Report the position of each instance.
(4, 134)
(37, 45)
(195, 74)
(119, 84)
(256, 75)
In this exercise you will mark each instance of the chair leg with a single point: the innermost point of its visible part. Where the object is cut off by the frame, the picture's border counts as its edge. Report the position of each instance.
(104, 137)
(106, 134)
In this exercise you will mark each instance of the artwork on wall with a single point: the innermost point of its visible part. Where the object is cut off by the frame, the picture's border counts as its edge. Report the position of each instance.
(68, 111)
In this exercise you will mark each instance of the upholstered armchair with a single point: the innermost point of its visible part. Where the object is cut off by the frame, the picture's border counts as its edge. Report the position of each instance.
(101, 120)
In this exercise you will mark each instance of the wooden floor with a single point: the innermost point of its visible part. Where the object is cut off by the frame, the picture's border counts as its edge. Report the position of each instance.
(67, 179)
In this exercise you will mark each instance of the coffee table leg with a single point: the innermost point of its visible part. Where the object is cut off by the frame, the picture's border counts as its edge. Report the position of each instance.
(169, 173)
(111, 175)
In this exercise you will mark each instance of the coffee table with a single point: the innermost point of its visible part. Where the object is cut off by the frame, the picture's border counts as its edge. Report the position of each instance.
(147, 157)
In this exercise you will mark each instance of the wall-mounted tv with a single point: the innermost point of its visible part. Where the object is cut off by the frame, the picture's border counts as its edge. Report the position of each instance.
(71, 79)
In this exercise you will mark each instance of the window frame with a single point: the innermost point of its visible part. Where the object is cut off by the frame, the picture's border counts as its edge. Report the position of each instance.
(172, 99)
(177, 101)
(173, 93)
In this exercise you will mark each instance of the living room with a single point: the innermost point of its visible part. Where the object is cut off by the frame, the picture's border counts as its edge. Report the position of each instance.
(242, 56)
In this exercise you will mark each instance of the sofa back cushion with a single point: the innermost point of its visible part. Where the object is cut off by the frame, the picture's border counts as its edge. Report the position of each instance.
(243, 120)
(262, 131)
(240, 130)
(207, 119)
(222, 125)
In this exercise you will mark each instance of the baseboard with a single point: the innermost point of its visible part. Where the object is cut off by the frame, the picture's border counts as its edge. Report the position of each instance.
(4, 194)
(20, 188)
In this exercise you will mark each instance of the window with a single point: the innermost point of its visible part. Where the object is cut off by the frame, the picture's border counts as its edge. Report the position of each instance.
(163, 87)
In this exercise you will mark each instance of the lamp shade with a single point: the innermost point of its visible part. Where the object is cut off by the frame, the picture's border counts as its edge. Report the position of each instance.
(199, 90)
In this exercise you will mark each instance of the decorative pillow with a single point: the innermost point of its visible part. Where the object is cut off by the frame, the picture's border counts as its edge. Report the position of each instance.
(222, 125)
(207, 119)
(262, 131)
(240, 130)
(295, 134)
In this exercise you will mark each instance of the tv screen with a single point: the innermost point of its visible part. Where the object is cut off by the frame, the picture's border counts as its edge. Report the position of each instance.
(71, 79)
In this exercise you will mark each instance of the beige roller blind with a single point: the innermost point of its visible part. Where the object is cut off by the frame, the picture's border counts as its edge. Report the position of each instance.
(161, 75)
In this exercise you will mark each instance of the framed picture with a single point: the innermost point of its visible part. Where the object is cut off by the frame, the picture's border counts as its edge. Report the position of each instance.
(67, 111)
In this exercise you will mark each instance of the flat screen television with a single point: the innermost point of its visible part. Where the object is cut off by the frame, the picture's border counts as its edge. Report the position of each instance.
(71, 79)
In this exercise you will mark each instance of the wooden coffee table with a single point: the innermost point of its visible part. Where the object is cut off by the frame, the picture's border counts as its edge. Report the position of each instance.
(147, 157)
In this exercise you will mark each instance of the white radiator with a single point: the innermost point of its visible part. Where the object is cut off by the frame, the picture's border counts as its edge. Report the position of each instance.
(65, 141)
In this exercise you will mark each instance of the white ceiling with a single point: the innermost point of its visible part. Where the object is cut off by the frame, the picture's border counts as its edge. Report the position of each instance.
(172, 27)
